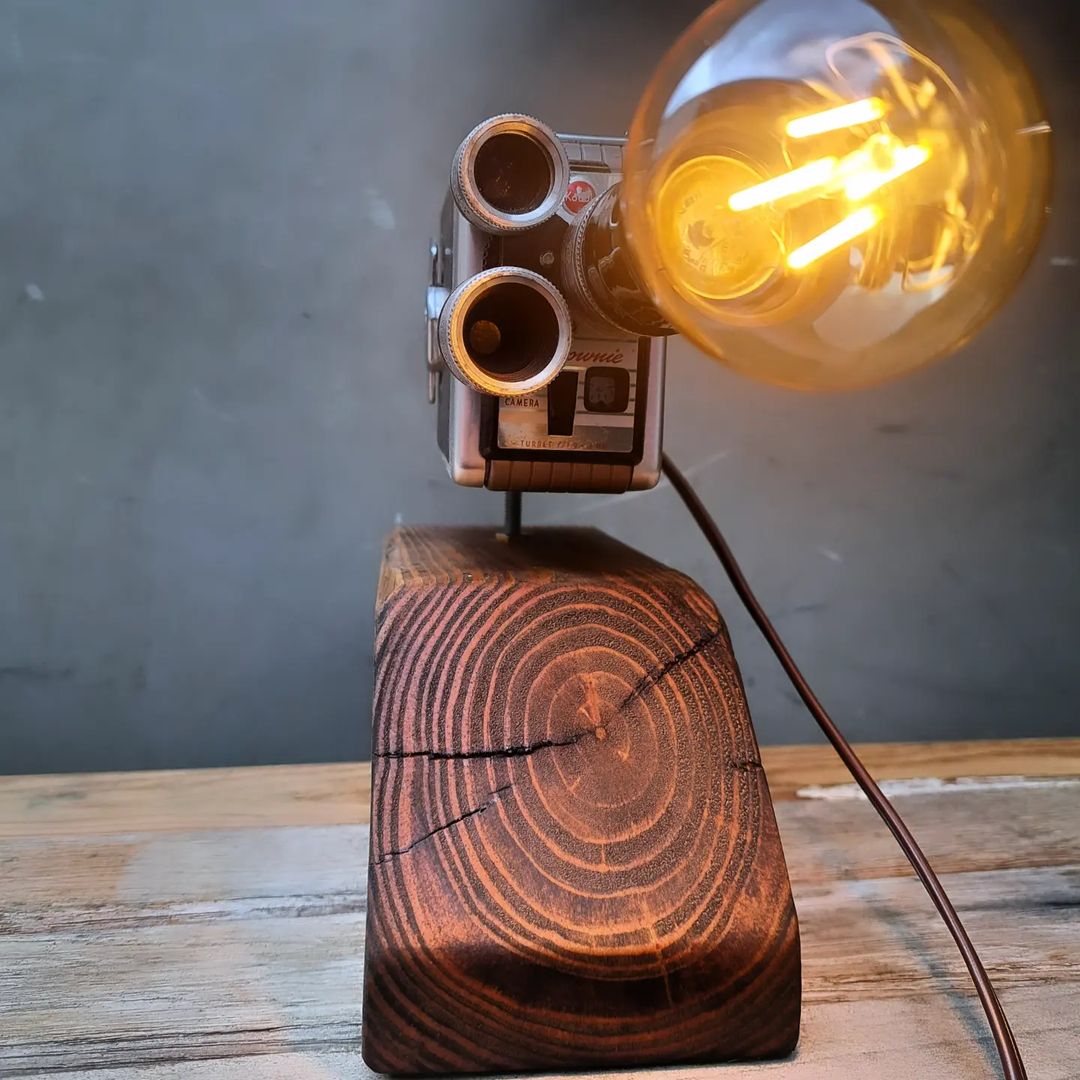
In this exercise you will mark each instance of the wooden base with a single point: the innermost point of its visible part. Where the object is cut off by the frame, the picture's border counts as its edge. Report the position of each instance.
(574, 858)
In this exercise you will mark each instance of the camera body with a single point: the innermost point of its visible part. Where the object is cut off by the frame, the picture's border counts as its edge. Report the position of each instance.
(534, 393)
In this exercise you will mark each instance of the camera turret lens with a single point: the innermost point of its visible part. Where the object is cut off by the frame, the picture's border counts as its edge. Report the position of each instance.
(505, 331)
(510, 173)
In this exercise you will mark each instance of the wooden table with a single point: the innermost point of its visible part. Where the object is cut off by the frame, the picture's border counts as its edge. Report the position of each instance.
(210, 924)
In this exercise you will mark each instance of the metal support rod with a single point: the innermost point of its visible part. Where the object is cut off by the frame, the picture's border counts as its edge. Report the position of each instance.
(513, 514)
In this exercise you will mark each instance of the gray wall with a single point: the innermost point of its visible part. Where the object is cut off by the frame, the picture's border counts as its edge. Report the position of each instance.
(213, 221)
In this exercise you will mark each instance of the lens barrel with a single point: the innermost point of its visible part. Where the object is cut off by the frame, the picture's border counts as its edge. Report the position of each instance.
(505, 331)
(599, 275)
(509, 173)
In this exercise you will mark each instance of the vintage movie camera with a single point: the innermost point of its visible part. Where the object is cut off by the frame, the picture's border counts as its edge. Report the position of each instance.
(545, 357)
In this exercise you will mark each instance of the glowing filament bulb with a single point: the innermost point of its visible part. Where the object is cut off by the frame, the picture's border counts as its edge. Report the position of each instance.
(854, 225)
(905, 159)
(843, 116)
(842, 273)
(816, 174)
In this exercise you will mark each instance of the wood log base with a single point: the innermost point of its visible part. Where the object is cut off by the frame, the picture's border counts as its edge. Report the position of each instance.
(574, 857)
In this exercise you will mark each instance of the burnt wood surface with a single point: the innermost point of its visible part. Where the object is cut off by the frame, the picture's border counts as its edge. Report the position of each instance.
(574, 858)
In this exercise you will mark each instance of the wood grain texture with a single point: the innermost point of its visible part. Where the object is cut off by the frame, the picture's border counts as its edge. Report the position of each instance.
(791, 769)
(178, 800)
(184, 799)
(574, 857)
(232, 952)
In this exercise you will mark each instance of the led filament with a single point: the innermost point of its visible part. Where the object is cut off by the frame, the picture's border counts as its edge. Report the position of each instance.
(816, 175)
(879, 161)
(854, 225)
(842, 116)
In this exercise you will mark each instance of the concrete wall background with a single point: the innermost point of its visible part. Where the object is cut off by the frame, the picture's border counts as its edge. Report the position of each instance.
(213, 220)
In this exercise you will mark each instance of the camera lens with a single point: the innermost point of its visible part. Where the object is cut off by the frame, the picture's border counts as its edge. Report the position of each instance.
(513, 173)
(510, 173)
(600, 277)
(512, 330)
(505, 331)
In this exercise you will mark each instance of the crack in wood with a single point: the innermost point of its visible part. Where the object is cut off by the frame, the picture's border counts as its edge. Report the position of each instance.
(749, 765)
(658, 674)
(492, 800)
(487, 752)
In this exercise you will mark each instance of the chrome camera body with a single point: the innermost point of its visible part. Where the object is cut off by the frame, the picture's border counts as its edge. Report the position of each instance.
(544, 377)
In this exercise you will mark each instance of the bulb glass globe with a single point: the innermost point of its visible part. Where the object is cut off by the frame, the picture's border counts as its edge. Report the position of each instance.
(830, 193)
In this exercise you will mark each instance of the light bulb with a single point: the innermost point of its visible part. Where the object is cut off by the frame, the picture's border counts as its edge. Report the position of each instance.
(829, 193)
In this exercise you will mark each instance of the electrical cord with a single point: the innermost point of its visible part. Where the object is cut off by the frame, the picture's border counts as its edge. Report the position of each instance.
(1011, 1063)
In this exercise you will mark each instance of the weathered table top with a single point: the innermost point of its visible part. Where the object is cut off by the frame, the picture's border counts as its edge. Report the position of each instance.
(210, 924)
